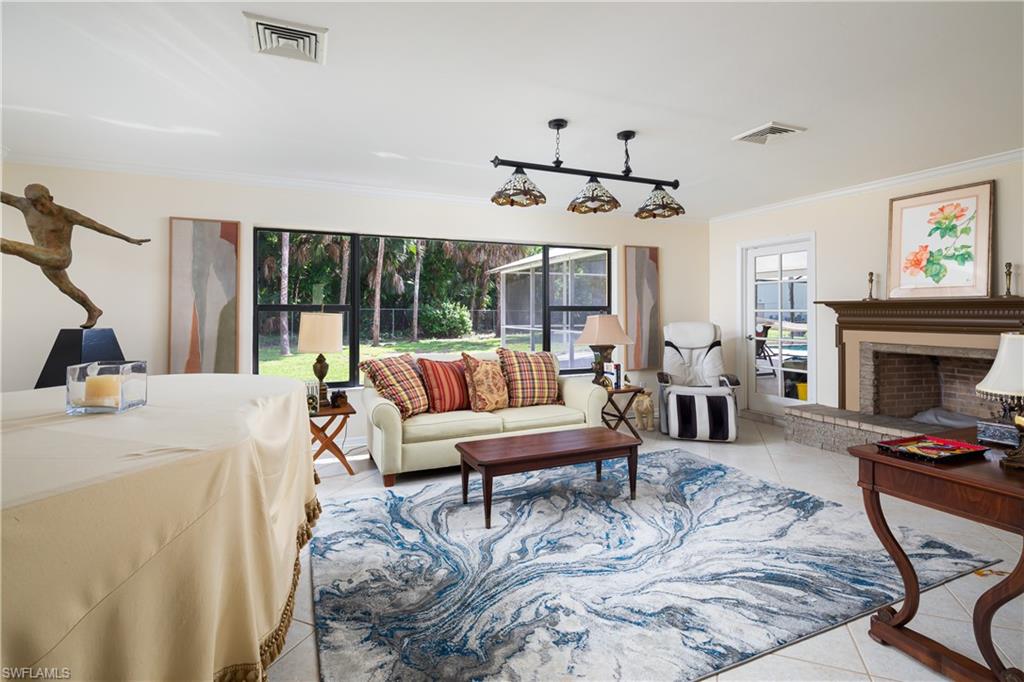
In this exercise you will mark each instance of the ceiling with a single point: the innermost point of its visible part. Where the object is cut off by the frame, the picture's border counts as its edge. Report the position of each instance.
(418, 97)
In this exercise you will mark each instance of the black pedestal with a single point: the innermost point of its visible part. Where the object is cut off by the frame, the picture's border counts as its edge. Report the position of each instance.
(74, 347)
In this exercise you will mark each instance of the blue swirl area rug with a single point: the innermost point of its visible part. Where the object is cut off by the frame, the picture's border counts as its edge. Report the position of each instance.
(706, 569)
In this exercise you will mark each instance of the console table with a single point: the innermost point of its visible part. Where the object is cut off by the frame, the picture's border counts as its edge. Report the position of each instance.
(976, 489)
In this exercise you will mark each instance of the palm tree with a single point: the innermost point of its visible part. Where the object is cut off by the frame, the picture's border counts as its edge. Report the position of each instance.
(378, 274)
(286, 346)
(346, 251)
(384, 271)
(421, 247)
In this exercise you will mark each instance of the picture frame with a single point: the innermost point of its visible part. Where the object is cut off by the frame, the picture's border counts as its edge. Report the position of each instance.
(940, 242)
(203, 311)
(642, 307)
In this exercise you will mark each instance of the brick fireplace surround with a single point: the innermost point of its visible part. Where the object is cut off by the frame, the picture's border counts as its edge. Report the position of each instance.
(902, 380)
(900, 357)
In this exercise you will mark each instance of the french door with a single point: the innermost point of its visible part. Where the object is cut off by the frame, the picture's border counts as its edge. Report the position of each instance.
(778, 335)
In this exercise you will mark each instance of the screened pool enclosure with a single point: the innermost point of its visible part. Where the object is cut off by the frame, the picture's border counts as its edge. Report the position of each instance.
(579, 286)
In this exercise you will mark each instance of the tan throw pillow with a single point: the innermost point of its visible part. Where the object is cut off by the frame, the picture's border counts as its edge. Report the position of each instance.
(486, 383)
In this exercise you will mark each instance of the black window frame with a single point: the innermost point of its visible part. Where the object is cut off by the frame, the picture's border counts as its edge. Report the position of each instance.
(352, 308)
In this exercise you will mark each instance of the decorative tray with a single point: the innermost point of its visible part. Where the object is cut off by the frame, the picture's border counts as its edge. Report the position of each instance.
(930, 449)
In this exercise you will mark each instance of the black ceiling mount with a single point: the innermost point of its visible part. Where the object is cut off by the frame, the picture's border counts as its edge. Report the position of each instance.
(626, 136)
(559, 124)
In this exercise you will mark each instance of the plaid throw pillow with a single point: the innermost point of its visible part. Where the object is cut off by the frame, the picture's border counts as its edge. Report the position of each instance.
(396, 380)
(446, 384)
(486, 384)
(532, 378)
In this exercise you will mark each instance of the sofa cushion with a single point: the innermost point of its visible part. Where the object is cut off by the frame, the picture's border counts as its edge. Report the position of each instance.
(398, 380)
(439, 426)
(538, 417)
(446, 384)
(532, 377)
(486, 384)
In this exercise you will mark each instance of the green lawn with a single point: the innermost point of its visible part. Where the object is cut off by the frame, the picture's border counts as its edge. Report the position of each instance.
(300, 366)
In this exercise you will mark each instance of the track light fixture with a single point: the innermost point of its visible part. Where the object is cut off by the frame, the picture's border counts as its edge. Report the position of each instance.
(519, 190)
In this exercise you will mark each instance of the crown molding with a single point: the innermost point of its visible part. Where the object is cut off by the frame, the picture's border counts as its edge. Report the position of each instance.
(247, 179)
(232, 177)
(938, 171)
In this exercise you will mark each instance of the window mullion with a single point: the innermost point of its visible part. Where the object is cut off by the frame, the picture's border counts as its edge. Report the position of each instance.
(355, 255)
(545, 297)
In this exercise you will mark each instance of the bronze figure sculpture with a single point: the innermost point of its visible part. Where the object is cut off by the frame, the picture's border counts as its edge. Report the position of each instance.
(50, 225)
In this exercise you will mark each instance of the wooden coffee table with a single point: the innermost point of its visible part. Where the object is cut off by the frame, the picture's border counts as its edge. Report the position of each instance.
(515, 454)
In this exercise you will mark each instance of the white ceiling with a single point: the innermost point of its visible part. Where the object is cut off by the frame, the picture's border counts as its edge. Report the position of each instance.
(884, 89)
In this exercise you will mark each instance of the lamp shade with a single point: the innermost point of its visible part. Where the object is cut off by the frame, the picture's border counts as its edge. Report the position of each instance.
(518, 190)
(320, 332)
(593, 198)
(1005, 381)
(659, 204)
(603, 330)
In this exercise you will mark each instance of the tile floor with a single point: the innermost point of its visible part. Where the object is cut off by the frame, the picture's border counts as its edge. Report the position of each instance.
(845, 653)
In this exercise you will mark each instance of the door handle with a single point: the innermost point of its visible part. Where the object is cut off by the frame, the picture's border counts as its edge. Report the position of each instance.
(750, 337)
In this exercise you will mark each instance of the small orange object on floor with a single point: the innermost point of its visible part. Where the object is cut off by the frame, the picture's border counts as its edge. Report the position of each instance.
(320, 432)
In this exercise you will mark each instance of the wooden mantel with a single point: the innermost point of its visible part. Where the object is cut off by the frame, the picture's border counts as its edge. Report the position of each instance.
(976, 316)
(937, 315)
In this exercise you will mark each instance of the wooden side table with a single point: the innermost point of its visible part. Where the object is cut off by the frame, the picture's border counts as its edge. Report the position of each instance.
(618, 414)
(977, 489)
(320, 432)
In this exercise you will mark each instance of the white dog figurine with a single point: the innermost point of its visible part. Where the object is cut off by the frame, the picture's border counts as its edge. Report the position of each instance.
(643, 407)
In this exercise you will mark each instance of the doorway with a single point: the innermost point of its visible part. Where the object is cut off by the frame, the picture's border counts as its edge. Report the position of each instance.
(777, 346)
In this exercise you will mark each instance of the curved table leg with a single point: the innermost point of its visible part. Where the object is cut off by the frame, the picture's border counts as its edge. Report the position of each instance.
(911, 586)
(985, 608)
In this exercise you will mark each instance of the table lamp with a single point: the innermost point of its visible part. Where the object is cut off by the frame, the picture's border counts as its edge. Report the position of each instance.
(1005, 383)
(320, 333)
(602, 333)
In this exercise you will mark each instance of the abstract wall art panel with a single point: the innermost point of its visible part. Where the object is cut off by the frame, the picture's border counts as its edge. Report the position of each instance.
(643, 307)
(203, 296)
(940, 242)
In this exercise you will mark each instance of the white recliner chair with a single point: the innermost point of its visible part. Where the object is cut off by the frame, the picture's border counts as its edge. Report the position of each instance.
(697, 398)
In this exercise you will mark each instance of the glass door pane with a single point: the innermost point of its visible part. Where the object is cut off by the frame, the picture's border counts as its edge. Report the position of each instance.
(779, 294)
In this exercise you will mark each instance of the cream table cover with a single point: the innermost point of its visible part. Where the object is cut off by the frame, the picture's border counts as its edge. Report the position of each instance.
(159, 544)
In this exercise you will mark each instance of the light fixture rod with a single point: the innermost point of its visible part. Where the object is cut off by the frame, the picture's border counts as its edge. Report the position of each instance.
(526, 165)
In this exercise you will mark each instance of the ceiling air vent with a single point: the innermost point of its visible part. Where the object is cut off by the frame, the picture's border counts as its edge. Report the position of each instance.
(287, 38)
(760, 134)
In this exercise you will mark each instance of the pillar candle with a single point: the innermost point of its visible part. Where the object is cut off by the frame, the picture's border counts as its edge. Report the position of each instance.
(103, 391)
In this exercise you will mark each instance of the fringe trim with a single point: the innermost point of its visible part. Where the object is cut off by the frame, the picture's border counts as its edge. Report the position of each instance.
(271, 646)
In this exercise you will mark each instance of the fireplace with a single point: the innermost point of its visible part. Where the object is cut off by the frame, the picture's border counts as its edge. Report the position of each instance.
(902, 359)
(901, 380)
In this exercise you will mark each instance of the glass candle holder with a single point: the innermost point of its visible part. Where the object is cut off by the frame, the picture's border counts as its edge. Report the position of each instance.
(101, 387)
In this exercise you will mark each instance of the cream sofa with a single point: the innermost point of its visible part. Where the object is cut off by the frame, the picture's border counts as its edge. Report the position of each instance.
(427, 441)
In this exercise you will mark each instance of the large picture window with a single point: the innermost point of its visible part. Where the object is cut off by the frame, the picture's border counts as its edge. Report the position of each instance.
(421, 296)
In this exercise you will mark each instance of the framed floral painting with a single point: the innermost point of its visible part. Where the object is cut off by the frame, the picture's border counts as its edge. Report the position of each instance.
(940, 242)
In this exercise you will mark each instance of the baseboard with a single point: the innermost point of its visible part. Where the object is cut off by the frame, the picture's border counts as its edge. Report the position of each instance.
(763, 417)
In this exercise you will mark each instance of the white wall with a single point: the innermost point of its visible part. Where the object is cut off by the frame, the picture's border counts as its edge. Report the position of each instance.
(851, 239)
(130, 282)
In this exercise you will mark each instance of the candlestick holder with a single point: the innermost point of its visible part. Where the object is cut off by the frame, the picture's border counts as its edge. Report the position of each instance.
(106, 387)
(1008, 267)
(871, 288)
